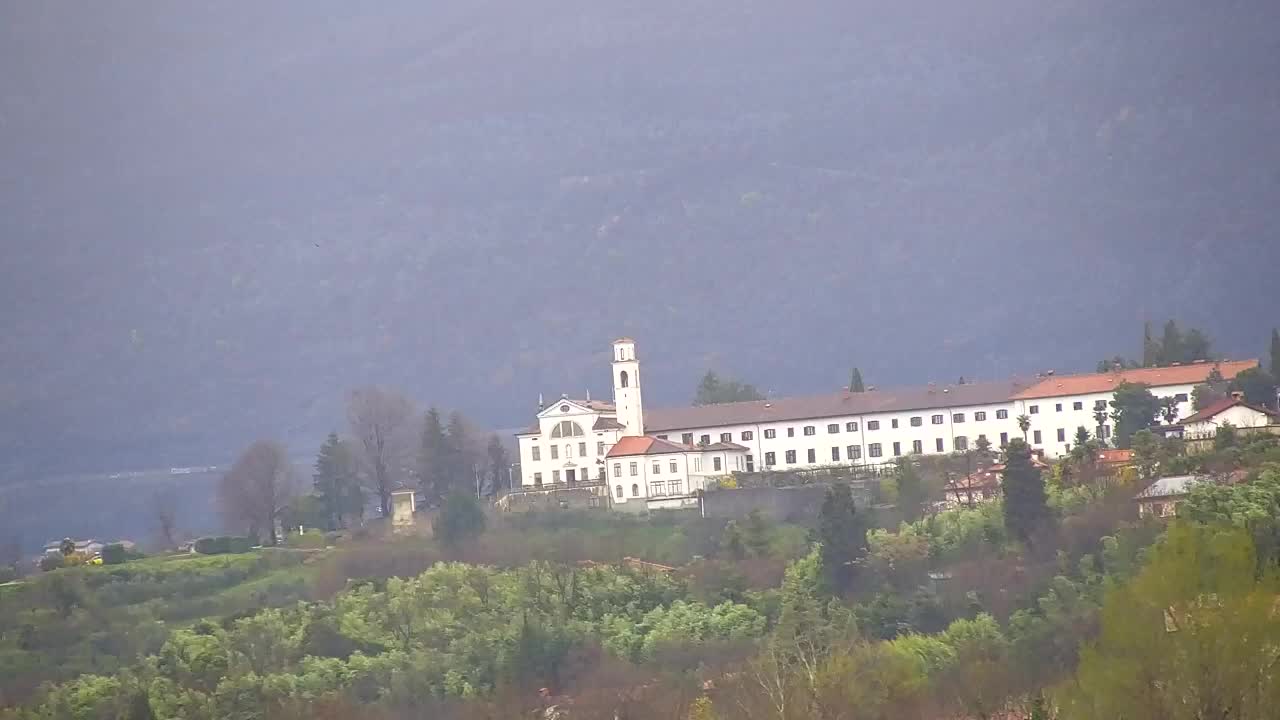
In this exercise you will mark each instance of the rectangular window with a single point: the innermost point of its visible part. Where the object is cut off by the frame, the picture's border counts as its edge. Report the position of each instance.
(936, 419)
(874, 450)
(833, 428)
(917, 421)
(686, 438)
(555, 476)
(1099, 404)
(810, 430)
(726, 437)
(962, 443)
(555, 452)
(715, 463)
(747, 435)
(1034, 410)
(582, 449)
(1057, 407)
(813, 456)
(1035, 436)
(617, 469)
(536, 453)
(897, 449)
(657, 468)
(854, 452)
(657, 489)
(600, 448)
(1004, 439)
(851, 427)
(673, 467)
(770, 459)
(791, 457)
(697, 464)
(957, 417)
(1106, 431)
(791, 432)
(770, 434)
(662, 437)
(677, 487)
(1181, 397)
(894, 423)
(751, 463)
(1062, 434)
(704, 440)
(634, 468)
(873, 424)
(1077, 405)
(537, 478)
(980, 416)
(835, 454)
(1002, 414)
(917, 446)
(939, 446)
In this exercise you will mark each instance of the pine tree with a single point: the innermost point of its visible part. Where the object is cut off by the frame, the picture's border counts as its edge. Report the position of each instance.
(499, 467)
(757, 534)
(1170, 344)
(1026, 508)
(843, 537)
(334, 473)
(433, 458)
(855, 382)
(461, 469)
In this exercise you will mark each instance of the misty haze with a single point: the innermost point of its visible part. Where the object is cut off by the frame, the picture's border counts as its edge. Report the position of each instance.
(689, 360)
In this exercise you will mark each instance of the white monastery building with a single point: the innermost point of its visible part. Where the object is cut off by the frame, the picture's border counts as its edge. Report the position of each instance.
(663, 457)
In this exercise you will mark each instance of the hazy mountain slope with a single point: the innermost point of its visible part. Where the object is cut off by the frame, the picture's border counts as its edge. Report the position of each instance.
(218, 216)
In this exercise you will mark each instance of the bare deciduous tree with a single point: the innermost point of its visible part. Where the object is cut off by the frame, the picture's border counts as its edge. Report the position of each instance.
(257, 489)
(382, 424)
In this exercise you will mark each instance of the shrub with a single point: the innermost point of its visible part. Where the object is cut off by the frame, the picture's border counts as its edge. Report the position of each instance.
(114, 554)
(52, 561)
(223, 544)
(310, 539)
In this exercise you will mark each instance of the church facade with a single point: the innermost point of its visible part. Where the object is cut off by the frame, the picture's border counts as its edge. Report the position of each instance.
(661, 458)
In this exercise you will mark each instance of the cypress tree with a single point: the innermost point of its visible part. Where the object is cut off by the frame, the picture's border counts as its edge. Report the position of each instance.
(855, 382)
(433, 458)
(1026, 507)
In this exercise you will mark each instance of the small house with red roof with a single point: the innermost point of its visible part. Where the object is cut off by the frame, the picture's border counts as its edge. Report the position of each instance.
(1232, 411)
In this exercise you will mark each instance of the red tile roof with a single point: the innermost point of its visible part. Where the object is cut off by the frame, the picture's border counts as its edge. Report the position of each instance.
(1114, 456)
(645, 446)
(1220, 406)
(831, 405)
(1192, 374)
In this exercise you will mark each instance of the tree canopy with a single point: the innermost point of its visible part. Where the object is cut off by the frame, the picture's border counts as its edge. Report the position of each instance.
(713, 390)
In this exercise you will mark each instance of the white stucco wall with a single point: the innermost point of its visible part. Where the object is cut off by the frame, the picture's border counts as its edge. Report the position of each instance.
(598, 444)
(1239, 416)
(1049, 419)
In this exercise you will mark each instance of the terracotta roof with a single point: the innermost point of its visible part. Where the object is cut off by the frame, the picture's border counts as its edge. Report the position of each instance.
(1114, 456)
(1192, 374)
(1222, 405)
(986, 478)
(832, 405)
(645, 446)
(607, 423)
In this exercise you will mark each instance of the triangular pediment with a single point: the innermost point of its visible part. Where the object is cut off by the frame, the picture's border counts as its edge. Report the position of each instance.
(565, 407)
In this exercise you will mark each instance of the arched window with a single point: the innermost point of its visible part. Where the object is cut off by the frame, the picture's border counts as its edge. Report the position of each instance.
(567, 428)
(635, 490)
(623, 380)
(617, 491)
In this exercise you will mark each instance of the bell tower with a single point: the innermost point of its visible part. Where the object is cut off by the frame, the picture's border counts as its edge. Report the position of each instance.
(626, 387)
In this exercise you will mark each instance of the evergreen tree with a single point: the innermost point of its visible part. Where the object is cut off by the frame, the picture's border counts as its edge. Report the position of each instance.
(732, 542)
(461, 466)
(336, 483)
(1082, 436)
(1170, 344)
(855, 382)
(499, 466)
(433, 458)
(1195, 346)
(1026, 508)
(1275, 353)
(460, 519)
(1133, 408)
(1258, 386)
(843, 537)
(757, 534)
(911, 492)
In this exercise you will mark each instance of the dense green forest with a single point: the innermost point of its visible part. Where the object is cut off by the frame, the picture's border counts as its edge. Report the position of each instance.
(961, 613)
